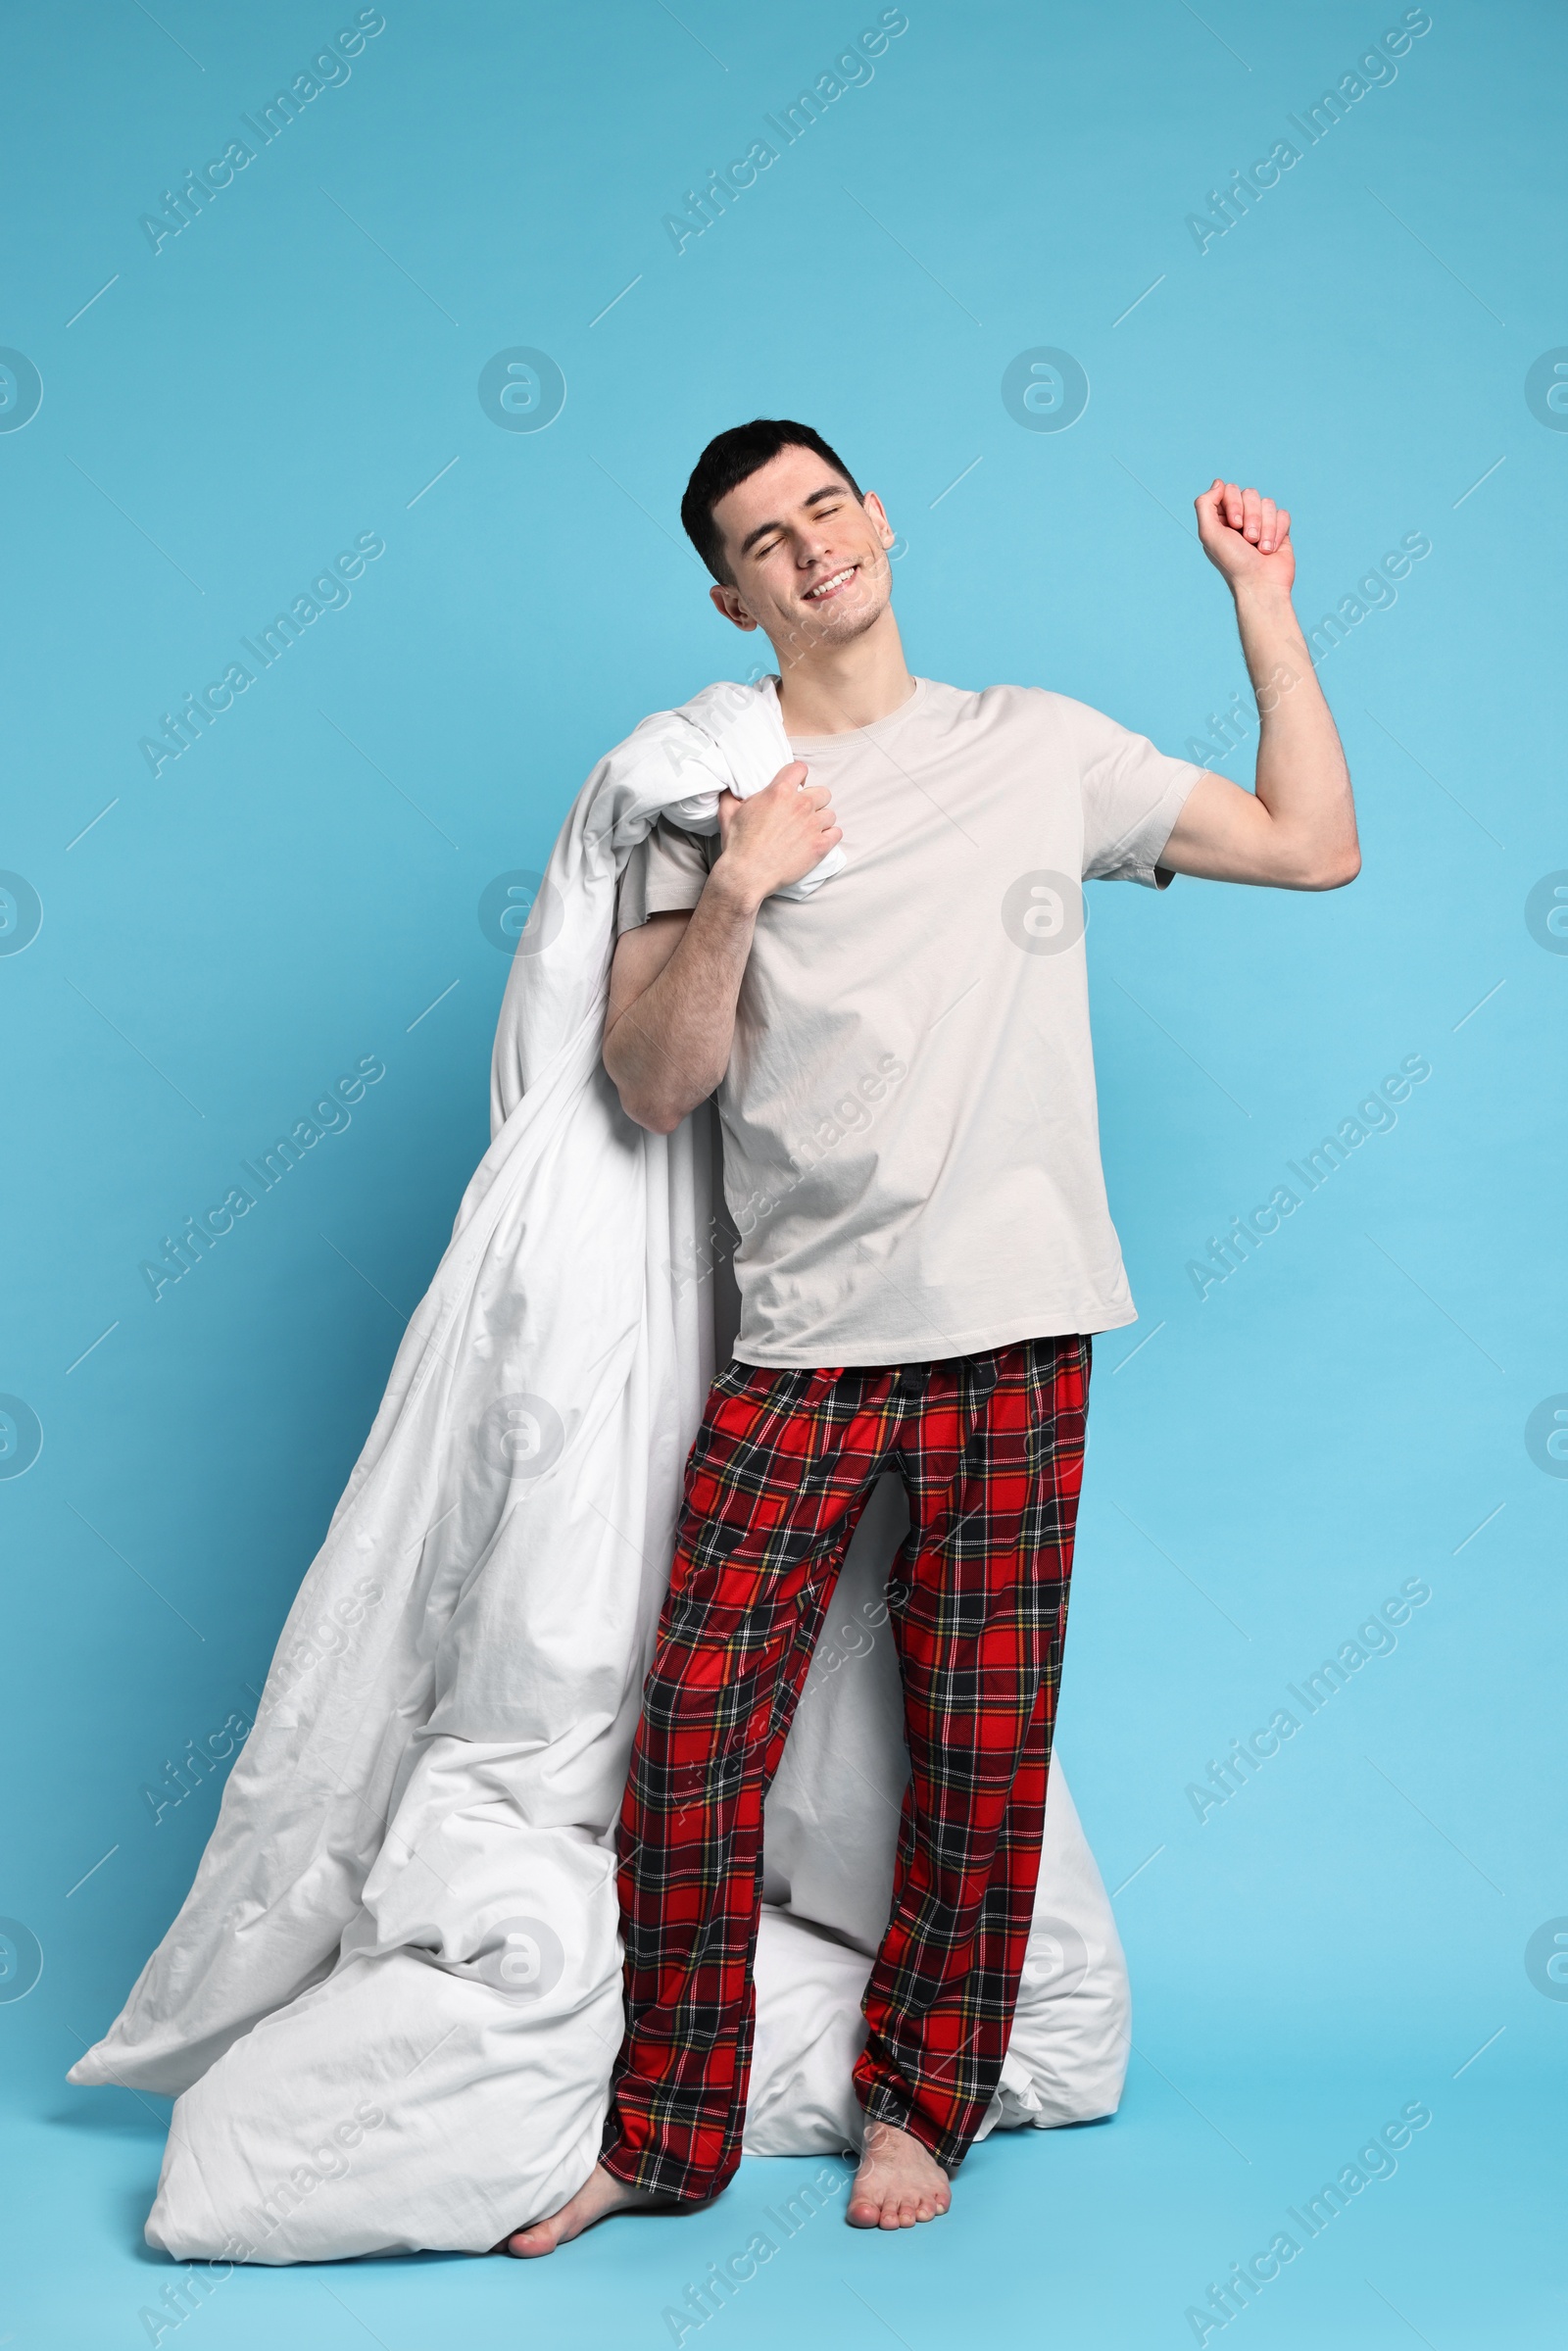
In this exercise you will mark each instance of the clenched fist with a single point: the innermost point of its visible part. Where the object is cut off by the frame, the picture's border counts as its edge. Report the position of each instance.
(777, 834)
(1247, 537)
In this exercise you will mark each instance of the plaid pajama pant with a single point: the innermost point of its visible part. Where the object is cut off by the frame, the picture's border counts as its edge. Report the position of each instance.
(990, 1448)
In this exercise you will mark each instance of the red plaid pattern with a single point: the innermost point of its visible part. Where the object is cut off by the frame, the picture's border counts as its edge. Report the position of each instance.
(990, 1451)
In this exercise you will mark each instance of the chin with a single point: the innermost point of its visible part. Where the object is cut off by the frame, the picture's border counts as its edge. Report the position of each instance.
(841, 622)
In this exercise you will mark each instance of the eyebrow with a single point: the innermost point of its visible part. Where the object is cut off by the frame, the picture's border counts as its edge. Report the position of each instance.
(832, 489)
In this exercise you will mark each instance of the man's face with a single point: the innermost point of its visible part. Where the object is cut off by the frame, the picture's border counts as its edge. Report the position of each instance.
(809, 561)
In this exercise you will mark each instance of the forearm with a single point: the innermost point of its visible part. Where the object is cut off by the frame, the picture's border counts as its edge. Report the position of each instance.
(670, 1047)
(1301, 778)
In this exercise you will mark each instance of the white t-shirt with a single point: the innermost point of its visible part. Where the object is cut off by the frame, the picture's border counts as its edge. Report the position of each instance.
(911, 1143)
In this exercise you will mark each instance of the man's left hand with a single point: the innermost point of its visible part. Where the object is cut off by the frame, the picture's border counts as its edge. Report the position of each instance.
(1247, 537)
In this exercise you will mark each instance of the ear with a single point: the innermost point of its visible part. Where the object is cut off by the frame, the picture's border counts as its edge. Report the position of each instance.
(727, 601)
(878, 514)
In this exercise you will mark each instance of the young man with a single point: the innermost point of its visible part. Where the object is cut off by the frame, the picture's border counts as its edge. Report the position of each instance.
(905, 1081)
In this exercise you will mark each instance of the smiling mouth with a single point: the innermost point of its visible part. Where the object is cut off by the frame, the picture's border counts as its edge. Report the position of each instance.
(826, 589)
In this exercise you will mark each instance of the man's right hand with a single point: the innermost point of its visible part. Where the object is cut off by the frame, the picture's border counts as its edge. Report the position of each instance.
(674, 983)
(775, 836)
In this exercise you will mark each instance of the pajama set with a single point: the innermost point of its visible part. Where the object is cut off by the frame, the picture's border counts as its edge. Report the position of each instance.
(911, 1163)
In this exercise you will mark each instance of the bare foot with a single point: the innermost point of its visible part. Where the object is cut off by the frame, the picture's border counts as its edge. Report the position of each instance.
(599, 2195)
(897, 2182)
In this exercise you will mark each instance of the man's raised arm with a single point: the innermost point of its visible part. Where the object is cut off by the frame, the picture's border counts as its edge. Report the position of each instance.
(674, 980)
(1297, 829)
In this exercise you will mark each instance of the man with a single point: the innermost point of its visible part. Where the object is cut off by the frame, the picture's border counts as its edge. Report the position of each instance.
(904, 1075)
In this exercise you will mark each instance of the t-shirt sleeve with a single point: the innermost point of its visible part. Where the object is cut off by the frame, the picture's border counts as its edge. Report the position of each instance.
(664, 876)
(1132, 797)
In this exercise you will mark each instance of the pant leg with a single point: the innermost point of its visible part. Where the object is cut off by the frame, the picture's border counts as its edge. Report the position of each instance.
(994, 1462)
(778, 1477)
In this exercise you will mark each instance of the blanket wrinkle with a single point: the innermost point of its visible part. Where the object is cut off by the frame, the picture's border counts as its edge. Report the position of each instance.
(389, 2005)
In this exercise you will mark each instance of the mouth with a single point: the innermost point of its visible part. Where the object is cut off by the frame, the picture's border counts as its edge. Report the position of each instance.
(826, 590)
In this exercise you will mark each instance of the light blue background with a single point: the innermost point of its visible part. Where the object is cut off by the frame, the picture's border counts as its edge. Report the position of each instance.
(1340, 1415)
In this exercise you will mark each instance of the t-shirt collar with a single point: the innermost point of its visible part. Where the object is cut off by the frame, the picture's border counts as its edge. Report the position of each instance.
(814, 746)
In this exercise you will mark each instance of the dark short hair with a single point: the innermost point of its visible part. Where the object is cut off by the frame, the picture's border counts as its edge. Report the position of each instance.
(733, 457)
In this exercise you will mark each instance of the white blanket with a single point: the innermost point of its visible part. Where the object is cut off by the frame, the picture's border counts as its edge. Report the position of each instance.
(392, 1997)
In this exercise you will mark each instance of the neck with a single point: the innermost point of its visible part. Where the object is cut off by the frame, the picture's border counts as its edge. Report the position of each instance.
(832, 690)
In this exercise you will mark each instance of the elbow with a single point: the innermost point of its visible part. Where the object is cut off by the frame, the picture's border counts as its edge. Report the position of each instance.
(1320, 867)
(641, 1106)
(647, 1111)
(655, 1097)
(1336, 872)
